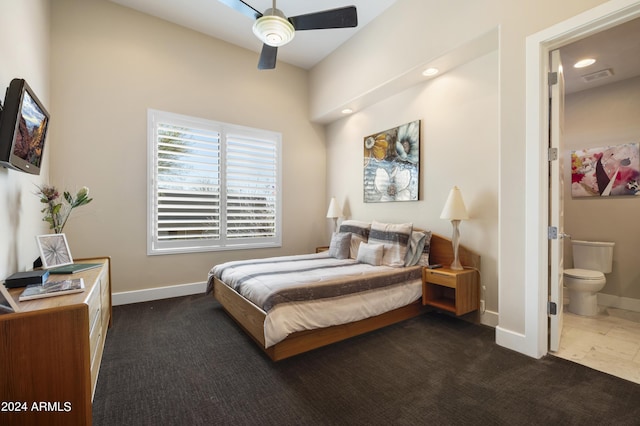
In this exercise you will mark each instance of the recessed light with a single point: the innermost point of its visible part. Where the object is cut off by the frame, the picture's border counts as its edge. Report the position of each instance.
(347, 111)
(584, 63)
(430, 72)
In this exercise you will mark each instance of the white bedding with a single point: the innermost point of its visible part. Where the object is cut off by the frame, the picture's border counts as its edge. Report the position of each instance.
(286, 319)
(258, 282)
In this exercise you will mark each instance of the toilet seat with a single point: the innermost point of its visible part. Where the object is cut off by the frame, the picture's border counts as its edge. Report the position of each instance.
(584, 274)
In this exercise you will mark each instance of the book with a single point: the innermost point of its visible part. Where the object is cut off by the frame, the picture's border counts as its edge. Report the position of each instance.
(23, 279)
(73, 268)
(52, 288)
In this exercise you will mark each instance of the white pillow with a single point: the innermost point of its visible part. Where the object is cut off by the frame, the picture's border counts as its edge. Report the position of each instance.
(395, 238)
(370, 253)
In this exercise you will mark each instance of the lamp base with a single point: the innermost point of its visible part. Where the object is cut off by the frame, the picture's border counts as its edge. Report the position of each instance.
(456, 266)
(455, 241)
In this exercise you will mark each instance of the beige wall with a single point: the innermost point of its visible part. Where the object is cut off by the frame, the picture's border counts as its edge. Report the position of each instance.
(414, 31)
(24, 53)
(109, 64)
(605, 116)
(451, 154)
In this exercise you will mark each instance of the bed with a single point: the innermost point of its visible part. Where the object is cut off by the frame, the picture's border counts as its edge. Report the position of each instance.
(370, 277)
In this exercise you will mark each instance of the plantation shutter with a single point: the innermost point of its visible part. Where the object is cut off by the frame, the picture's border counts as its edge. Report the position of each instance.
(188, 185)
(251, 184)
(213, 186)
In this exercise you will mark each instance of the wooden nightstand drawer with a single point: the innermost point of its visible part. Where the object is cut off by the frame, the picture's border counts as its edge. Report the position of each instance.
(439, 277)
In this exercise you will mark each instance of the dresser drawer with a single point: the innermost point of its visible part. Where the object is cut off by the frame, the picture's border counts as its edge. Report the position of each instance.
(94, 306)
(95, 334)
(96, 359)
(105, 299)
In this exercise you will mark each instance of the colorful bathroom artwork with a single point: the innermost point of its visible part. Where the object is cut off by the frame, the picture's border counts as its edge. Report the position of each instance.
(606, 172)
(392, 164)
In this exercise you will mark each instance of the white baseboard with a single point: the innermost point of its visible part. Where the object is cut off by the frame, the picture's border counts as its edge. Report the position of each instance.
(626, 303)
(149, 294)
(490, 318)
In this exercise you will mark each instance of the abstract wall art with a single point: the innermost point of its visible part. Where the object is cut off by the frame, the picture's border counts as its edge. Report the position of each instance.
(392, 164)
(605, 172)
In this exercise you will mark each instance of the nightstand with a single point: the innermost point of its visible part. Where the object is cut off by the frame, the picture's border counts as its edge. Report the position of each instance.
(449, 290)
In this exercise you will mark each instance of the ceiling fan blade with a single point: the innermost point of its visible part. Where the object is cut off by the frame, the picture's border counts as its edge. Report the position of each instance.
(344, 17)
(242, 7)
(267, 57)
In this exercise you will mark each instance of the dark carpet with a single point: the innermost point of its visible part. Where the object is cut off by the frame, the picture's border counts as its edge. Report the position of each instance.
(183, 361)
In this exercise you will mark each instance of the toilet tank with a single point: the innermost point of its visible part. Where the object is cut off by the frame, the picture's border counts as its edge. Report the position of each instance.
(593, 255)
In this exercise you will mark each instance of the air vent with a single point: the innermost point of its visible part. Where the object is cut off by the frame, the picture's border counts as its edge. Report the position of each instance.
(598, 75)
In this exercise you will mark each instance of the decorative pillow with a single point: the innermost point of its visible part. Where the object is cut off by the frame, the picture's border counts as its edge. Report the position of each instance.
(423, 259)
(359, 234)
(395, 238)
(416, 246)
(370, 253)
(340, 245)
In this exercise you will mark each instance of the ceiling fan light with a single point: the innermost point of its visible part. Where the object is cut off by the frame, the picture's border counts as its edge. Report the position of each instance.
(273, 30)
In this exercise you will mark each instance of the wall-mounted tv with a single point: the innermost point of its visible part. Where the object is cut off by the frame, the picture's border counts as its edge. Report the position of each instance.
(23, 128)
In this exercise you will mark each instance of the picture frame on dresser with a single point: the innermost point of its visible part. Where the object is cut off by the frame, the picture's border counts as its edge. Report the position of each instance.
(7, 304)
(54, 250)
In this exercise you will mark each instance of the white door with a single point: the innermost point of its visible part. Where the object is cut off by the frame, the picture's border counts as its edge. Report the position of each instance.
(556, 213)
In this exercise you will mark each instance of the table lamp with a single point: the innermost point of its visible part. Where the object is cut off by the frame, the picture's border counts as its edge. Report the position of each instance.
(334, 213)
(455, 211)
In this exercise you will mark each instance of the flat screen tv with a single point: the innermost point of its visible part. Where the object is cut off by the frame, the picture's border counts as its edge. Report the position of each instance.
(23, 128)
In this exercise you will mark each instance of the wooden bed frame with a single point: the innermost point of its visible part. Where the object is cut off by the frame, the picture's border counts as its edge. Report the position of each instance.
(251, 318)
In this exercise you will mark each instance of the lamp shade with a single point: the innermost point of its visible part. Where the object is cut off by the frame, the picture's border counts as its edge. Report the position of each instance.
(334, 210)
(454, 208)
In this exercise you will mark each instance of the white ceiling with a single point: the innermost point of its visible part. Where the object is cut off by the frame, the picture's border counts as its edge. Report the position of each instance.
(220, 21)
(617, 49)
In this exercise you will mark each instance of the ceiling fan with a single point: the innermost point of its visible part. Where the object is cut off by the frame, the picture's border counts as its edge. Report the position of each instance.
(274, 29)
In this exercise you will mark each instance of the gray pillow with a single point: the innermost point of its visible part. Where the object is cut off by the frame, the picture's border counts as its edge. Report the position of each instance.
(395, 238)
(359, 233)
(340, 245)
(419, 240)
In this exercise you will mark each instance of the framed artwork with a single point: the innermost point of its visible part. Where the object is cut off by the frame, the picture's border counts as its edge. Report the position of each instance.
(606, 172)
(392, 164)
(54, 250)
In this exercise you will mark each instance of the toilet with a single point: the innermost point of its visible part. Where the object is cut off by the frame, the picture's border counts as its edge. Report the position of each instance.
(591, 260)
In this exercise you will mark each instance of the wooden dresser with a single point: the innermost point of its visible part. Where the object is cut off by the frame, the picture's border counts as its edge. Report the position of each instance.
(50, 352)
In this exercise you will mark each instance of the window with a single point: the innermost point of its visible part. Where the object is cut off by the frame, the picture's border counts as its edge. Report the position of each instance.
(212, 186)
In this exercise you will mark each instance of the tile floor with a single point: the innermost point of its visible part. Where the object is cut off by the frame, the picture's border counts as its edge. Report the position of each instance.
(608, 342)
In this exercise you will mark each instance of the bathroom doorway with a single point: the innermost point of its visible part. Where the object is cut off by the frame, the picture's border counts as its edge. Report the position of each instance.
(601, 104)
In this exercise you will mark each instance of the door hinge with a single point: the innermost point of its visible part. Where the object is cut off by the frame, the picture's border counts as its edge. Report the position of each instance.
(552, 233)
(552, 154)
(553, 78)
(552, 308)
